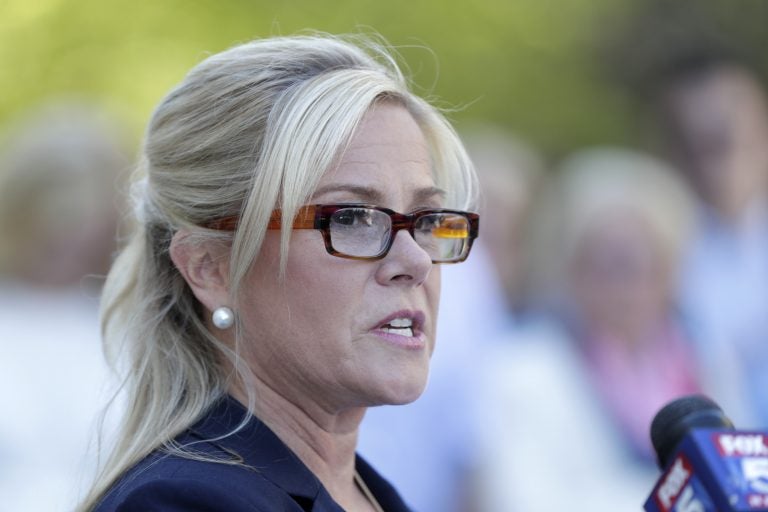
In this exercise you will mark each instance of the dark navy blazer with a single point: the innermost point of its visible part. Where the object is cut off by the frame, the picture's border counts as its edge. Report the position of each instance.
(270, 477)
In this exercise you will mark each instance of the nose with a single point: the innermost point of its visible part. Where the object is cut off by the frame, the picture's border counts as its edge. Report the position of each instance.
(406, 262)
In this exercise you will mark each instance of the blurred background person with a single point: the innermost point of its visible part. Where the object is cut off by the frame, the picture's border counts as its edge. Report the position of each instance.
(699, 87)
(568, 399)
(714, 117)
(427, 448)
(511, 171)
(60, 169)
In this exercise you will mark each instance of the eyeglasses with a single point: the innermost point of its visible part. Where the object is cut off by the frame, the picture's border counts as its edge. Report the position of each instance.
(365, 232)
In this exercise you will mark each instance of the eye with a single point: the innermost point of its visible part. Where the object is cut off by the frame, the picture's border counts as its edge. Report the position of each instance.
(352, 217)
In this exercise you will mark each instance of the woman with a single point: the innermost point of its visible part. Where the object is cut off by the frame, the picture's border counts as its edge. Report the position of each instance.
(271, 293)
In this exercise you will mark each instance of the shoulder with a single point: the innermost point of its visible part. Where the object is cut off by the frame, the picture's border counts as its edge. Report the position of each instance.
(177, 494)
(229, 461)
(176, 483)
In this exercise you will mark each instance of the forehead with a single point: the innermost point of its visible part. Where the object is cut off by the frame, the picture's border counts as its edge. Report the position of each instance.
(388, 153)
(725, 91)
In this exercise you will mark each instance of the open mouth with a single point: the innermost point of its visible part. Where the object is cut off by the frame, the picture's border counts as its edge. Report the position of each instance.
(399, 326)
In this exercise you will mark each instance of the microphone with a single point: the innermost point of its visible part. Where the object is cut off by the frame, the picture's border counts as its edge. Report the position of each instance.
(707, 465)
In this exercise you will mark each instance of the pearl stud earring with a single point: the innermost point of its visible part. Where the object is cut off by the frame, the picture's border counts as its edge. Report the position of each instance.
(223, 317)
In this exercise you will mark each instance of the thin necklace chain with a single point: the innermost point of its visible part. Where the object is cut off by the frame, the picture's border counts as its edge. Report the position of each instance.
(368, 494)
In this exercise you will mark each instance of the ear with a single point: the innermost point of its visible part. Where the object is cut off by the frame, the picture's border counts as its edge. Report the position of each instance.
(204, 266)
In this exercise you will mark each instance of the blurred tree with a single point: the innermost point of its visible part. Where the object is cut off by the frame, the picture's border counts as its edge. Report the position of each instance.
(529, 65)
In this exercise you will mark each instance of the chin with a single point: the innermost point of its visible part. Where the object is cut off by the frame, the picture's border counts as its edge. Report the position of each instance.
(402, 390)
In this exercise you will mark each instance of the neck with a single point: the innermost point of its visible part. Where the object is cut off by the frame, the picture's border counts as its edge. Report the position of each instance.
(325, 441)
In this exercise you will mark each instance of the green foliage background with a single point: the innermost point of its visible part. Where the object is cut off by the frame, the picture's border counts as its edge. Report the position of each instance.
(535, 66)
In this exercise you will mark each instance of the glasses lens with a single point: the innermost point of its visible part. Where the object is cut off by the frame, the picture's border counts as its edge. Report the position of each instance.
(361, 232)
(445, 236)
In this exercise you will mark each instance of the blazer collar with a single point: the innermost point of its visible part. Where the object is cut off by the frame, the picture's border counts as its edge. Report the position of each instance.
(260, 449)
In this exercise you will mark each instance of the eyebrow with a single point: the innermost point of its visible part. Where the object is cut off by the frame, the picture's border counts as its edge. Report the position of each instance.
(374, 196)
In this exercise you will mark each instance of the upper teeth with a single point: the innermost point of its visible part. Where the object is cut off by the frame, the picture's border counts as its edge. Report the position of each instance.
(399, 326)
(401, 322)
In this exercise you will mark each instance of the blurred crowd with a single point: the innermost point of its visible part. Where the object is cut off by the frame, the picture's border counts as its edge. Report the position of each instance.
(60, 202)
(603, 285)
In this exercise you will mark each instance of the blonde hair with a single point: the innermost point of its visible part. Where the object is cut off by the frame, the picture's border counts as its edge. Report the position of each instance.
(248, 130)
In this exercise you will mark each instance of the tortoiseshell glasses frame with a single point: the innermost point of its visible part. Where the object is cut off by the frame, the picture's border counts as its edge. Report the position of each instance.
(366, 232)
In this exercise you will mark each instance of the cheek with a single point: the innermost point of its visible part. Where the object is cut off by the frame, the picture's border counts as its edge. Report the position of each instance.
(314, 297)
(324, 286)
(320, 305)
